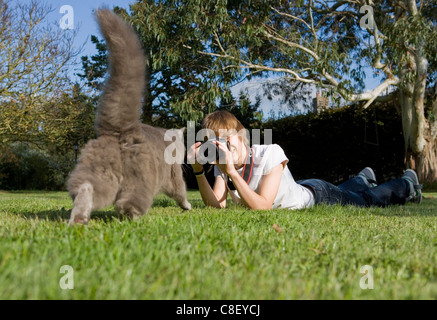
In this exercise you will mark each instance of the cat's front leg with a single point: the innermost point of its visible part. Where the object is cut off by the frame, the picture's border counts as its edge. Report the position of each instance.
(185, 205)
(83, 205)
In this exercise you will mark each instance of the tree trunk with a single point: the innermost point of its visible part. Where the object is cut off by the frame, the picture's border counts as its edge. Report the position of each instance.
(426, 161)
(420, 139)
(408, 116)
(420, 133)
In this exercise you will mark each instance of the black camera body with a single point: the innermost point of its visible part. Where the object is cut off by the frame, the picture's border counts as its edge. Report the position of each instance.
(210, 145)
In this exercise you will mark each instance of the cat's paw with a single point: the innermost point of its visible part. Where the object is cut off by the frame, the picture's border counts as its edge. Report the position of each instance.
(78, 220)
(186, 206)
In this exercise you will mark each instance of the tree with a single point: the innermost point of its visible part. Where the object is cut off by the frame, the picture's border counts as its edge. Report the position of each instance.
(247, 113)
(95, 67)
(34, 59)
(328, 44)
(180, 84)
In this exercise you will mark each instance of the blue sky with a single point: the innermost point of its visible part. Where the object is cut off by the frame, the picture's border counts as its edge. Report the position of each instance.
(85, 25)
(84, 22)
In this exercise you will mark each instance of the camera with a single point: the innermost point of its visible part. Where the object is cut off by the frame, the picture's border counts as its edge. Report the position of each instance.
(209, 146)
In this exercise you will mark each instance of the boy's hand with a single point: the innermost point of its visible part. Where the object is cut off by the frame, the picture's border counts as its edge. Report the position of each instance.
(227, 167)
(192, 157)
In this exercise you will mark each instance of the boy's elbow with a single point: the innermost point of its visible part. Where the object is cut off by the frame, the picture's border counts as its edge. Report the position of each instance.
(265, 206)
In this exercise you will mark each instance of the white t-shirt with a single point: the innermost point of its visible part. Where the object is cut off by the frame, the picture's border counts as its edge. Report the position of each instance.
(290, 194)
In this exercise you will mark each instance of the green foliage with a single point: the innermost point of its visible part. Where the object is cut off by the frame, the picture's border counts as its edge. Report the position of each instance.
(25, 167)
(95, 67)
(49, 123)
(37, 148)
(196, 49)
(408, 35)
(336, 144)
(81, 117)
(247, 113)
(181, 85)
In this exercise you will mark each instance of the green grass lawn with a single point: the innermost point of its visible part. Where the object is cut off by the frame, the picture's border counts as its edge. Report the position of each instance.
(216, 254)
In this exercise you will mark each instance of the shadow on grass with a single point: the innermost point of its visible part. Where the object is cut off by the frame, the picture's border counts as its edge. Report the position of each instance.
(63, 215)
(167, 202)
(101, 215)
(428, 208)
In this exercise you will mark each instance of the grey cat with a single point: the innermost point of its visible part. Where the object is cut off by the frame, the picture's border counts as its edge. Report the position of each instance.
(125, 165)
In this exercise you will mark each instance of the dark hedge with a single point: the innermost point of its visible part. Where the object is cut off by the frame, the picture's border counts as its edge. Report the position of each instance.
(336, 144)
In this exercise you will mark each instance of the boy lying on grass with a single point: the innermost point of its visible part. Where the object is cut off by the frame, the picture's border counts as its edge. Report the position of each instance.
(258, 176)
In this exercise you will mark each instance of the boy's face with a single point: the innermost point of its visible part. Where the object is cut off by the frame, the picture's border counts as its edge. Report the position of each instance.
(236, 147)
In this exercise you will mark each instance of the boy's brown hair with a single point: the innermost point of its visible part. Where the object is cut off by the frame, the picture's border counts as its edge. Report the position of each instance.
(224, 120)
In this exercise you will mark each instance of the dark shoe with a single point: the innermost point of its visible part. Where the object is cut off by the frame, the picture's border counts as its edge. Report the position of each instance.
(368, 176)
(415, 188)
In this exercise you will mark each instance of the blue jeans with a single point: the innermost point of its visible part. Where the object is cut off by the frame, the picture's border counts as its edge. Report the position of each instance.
(356, 192)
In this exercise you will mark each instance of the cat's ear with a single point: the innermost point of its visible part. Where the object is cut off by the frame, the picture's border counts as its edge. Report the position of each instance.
(181, 132)
(177, 132)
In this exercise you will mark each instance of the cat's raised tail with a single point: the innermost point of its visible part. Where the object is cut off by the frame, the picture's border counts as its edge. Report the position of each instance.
(120, 105)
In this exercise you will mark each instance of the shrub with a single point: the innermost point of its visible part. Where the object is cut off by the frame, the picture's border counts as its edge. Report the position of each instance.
(24, 167)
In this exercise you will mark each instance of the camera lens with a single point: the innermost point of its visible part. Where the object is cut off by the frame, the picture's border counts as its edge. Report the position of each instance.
(209, 151)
